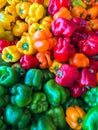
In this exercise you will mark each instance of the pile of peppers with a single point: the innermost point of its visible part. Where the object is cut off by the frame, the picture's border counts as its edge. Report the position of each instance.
(48, 64)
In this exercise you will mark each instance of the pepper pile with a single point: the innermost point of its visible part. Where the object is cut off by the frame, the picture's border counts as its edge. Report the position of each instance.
(48, 64)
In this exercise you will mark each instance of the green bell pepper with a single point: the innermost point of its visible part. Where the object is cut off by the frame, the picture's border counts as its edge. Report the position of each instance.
(4, 96)
(2, 125)
(91, 97)
(39, 103)
(8, 76)
(17, 116)
(78, 3)
(21, 95)
(57, 115)
(55, 93)
(43, 123)
(34, 78)
(90, 121)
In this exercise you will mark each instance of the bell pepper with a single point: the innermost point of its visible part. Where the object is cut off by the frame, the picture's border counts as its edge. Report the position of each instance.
(4, 96)
(74, 117)
(90, 120)
(47, 75)
(89, 46)
(19, 28)
(25, 46)
(55, 93)
(21, 95)
(87, 77)
(62, 27)
(8, 76)
(92, 13)
(67, 75)
(55, 5)
(43, 123)
(55, 66)
(11, 54)
(22, 9)
(39, 103)
(44, 59)
(91, 97)
(63, 50)
(4, 63)
(57, 115)
(2, 3)
(78, 3)
(14, 2)
(17, 117)
(28, 61)
(3, 44)
(35, 80)
(79, 60)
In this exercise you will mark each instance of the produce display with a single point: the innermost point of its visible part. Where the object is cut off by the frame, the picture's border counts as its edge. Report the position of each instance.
(48, 64)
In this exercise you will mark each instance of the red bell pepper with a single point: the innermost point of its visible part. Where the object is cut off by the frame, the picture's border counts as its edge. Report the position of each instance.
(67, 75)
(3, 44)
(55, 5)
(28, 61)
(87, 78)
(62, 27)
(63, 50)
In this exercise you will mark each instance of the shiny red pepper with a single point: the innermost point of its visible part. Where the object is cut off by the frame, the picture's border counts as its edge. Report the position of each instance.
(28, 61)
(63, 50)
(87, 78)
(55, 5)
(67, 75)
(62, 27)
(3, 44)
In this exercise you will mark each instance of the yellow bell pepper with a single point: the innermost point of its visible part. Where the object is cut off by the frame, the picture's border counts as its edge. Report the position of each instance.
(22, 9)
(55, 66)
(25, 46)
(19, 28)
(2, 3)
(11, 54)
(36, 12)
(14, 2)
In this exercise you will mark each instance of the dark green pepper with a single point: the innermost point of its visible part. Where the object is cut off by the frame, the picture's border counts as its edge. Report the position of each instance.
(4, 96)
(55, 93)
(39, 103)
(8, 76)
(90, 121)
(17, 116)
(34, 78)
(21, 95)
(57, 115)
(43, 123)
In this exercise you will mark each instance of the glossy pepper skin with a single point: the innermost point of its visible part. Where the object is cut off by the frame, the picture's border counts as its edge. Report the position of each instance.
(43, 123)
(67, 75)
(21, 95)
(90, 120)
(55, 5)
(28, 61)
(3, 44)
(55, 93)
(62, 27)
(87, 78)
(63, 50)
(39, 103)
(8, 76)
(57, 115)
(17, 116)
(34, 78)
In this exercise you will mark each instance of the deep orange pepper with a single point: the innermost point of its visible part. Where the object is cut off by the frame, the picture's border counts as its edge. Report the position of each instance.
(44, 59)
(74, 117)
(79, 11)
(79, 60)
(92, 12)
(89, 2)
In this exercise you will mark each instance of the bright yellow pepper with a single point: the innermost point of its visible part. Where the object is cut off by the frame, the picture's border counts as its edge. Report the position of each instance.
(25, 46)
(11, 54)
(14, 2)
(2, 3)
(19, 28)
(22, 9)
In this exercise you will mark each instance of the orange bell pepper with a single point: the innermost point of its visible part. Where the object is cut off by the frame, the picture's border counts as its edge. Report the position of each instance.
(44, 59)
(79, 11)
(79, 60)
(89, 2)
(92, 13)
(74, 117)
